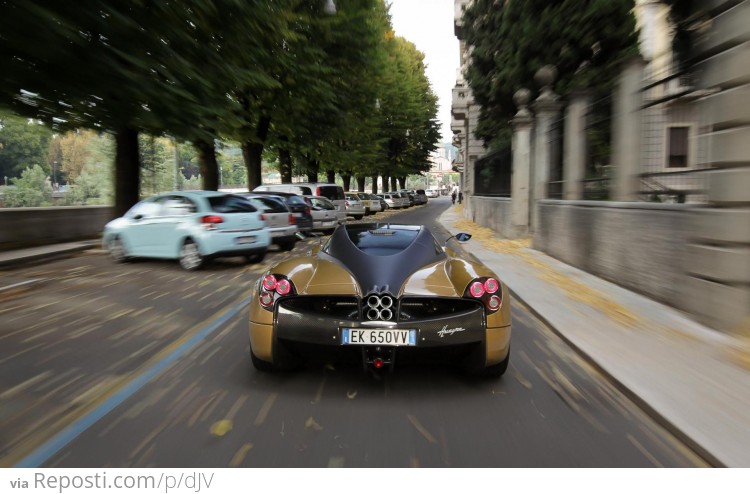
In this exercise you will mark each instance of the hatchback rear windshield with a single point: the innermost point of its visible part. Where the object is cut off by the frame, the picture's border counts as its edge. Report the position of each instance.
(270, 204)
(230, 204)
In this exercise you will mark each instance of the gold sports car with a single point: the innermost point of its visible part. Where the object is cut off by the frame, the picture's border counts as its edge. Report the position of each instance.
(373, 292)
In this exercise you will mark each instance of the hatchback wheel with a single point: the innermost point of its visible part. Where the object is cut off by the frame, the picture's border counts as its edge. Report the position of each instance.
(190, 257)
(255, 258)
(117, 250)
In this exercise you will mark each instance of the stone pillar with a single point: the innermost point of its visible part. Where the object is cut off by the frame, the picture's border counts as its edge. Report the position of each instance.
(546, 110)
(520, 180)
(574, 158)
(626, 132)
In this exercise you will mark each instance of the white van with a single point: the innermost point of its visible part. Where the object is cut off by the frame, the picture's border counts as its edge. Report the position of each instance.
(332, 192)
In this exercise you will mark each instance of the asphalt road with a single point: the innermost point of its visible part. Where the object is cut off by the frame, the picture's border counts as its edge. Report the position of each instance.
(143, 364)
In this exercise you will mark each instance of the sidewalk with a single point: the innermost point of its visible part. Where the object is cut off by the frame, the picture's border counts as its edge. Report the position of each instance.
(45, 252)
(692, 379)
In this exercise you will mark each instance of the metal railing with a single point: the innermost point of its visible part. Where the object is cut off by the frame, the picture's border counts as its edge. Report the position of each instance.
(684, 186)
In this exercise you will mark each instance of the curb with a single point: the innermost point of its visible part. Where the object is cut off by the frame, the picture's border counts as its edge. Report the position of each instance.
(38, 255)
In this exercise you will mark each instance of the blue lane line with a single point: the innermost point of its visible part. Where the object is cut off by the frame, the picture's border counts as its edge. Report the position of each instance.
(67, 435)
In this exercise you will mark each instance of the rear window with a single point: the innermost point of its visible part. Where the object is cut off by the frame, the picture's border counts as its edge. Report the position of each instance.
(269, 204)
(331, 192)
(420, 191)
(230, 204)
(322, 203)
(295, 201)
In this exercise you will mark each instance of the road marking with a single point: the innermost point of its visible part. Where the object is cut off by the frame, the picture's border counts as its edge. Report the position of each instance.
(44, 452)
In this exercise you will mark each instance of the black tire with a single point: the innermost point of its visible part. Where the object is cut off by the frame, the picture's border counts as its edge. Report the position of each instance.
(287, 245)
(190, 257)
(255, 258)
(117, 249)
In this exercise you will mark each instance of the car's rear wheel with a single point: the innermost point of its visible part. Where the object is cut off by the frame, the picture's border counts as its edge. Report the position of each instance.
(117, 249)
(190, 257)
(255, 258)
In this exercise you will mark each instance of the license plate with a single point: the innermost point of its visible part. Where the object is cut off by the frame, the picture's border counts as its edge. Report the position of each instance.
(277, 233)
(387, 337)
(246, 240)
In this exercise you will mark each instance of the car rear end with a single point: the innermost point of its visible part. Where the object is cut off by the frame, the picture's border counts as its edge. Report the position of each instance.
(375, 206)
(230, 226)
(301, 211)
(280, 221)
(354, 206)
(325, 214)
(335, 194)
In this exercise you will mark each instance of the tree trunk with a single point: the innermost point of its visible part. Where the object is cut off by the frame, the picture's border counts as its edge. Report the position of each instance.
(394, 184)
(360, 184)
(313, 169)
(127, 171)
(207, 163)
(374, 184)
(285, 163)
(252, 154)
(386, 184)
(331, 177)
(347, 182)
(402, 182)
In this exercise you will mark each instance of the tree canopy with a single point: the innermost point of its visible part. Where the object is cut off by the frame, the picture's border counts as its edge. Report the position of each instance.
(284, 76)
(585, 39)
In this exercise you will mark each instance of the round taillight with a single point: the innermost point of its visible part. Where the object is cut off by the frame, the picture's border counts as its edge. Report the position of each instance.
(491, 285)
(269, 282)
(494, 302)
(266, 299)
(283, 287)
(476, 289)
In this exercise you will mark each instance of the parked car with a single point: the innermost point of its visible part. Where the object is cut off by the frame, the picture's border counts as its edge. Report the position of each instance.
(279, 219)
(332, 192)
(420, 196)
(409, 198)
(354, 206)
(392, 200)
(192, 227)
(431, 193)
(372, 205)
(398, 294)
(325, 214)
(383, 205)
(298, 206)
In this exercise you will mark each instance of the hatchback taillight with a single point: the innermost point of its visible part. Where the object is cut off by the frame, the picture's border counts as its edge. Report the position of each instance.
(209, 222)
(291, 219)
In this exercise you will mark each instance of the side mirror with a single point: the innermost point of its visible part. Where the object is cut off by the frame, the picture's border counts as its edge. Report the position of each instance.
(461, 237)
